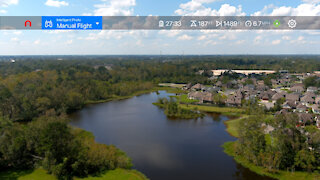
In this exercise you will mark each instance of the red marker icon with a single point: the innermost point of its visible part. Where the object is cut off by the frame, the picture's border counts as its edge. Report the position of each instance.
(27, 23)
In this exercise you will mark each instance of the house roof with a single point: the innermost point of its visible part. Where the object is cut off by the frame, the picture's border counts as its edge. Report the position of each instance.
(301, 107)
(278, 96)
(292, 97)
(197, 86)
(305, 117)
(307, 99)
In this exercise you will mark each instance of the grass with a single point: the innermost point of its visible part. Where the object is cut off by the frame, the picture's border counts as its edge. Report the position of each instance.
(118, 174)
(183, 98)
(40, 174)
(229, 148)
(37, 174)
(230, 111)
(233, 126)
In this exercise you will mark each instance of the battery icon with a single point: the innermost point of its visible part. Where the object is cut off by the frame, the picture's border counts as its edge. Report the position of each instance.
(161, 23)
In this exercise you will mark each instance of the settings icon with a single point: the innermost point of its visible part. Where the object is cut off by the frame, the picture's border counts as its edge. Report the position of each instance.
(292, 23)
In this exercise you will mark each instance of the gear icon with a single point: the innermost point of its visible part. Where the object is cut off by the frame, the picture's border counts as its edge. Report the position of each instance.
(292, 23)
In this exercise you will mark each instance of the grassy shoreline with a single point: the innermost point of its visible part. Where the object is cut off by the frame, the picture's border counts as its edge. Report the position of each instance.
(40, 174)
(229, 148)
(282, 175)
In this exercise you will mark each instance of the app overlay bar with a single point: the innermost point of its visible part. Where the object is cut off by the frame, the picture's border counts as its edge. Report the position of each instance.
(160, 22)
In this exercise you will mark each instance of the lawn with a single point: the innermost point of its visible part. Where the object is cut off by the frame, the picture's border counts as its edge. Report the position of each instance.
(40, 174)
(223, 110)
(184, 99)
(233, 126)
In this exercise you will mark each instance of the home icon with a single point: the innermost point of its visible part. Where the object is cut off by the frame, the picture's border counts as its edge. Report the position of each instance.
(27, 23)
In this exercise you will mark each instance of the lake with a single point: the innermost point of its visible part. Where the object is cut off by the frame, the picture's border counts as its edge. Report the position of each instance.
(161, 148)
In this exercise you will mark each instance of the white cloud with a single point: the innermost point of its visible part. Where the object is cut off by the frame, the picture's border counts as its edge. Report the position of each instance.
(15, 39)
(240, 42)
(286, 38)
(36, 42)
(197, 8)
(300, 38)
(275, 42)
(69, 41)
(2, 11)
(86, 14)
(6, 3)
(305, 9)
(115, 8)
(311, 1)
(170, 33)
(185, 37)
(56, 3)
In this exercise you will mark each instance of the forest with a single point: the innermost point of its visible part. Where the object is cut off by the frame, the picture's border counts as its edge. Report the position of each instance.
(286, 148)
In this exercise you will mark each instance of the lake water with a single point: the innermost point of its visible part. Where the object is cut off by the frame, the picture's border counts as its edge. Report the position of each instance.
(161, 148)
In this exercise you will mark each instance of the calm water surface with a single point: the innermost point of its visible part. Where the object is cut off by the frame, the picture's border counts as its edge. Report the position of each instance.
(163, 149)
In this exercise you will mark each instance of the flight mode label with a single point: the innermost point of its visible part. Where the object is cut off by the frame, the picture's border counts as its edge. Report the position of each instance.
(72, 22)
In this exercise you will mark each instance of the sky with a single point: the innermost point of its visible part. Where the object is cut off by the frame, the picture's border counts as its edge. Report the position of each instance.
(111, 42)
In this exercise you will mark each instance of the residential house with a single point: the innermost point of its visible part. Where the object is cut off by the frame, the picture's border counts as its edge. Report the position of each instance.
(300, 108)
(312, 89)
(315, 109)
(305, 119)
(203, 97)
(311, 94)
(278, 96)
(187, 86)
(317, 100)
(235, 99)
(293, 97)
(213, 89)
(297, 88)
(267, 128)
(307, 99)
(197, 87)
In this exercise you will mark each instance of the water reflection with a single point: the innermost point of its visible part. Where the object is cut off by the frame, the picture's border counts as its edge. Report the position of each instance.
(159, 147)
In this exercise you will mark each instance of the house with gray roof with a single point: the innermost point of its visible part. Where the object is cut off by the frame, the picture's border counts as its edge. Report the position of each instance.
(297, 88)
(312, 89)
(307, 99)
(293, 97)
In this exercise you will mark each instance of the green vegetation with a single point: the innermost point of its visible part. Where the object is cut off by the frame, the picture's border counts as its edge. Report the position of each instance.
(230, 149)
(311, 81)
(41, 174)
(233, 126)
(223, 110)
(183, 98)
(172, 109)
(268, 154)
(50, 143)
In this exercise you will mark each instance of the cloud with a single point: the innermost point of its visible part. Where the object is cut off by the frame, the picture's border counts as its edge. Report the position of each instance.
(311, 1)
(15, 39)
(275, 42)
(69, 41)
(185, 37)
(115, 8)
(36, 42)
(56, 3)
(305, 9)
(6, 3)
(286, 38)
(2, 11)
(197, 8)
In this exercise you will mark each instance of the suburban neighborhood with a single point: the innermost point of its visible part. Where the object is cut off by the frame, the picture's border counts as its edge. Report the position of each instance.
(284, 94)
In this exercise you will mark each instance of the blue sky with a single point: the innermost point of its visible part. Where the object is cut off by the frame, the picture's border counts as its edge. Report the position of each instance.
(152, 42)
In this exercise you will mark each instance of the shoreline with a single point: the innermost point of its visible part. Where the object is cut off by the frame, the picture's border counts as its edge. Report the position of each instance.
(229, 149)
